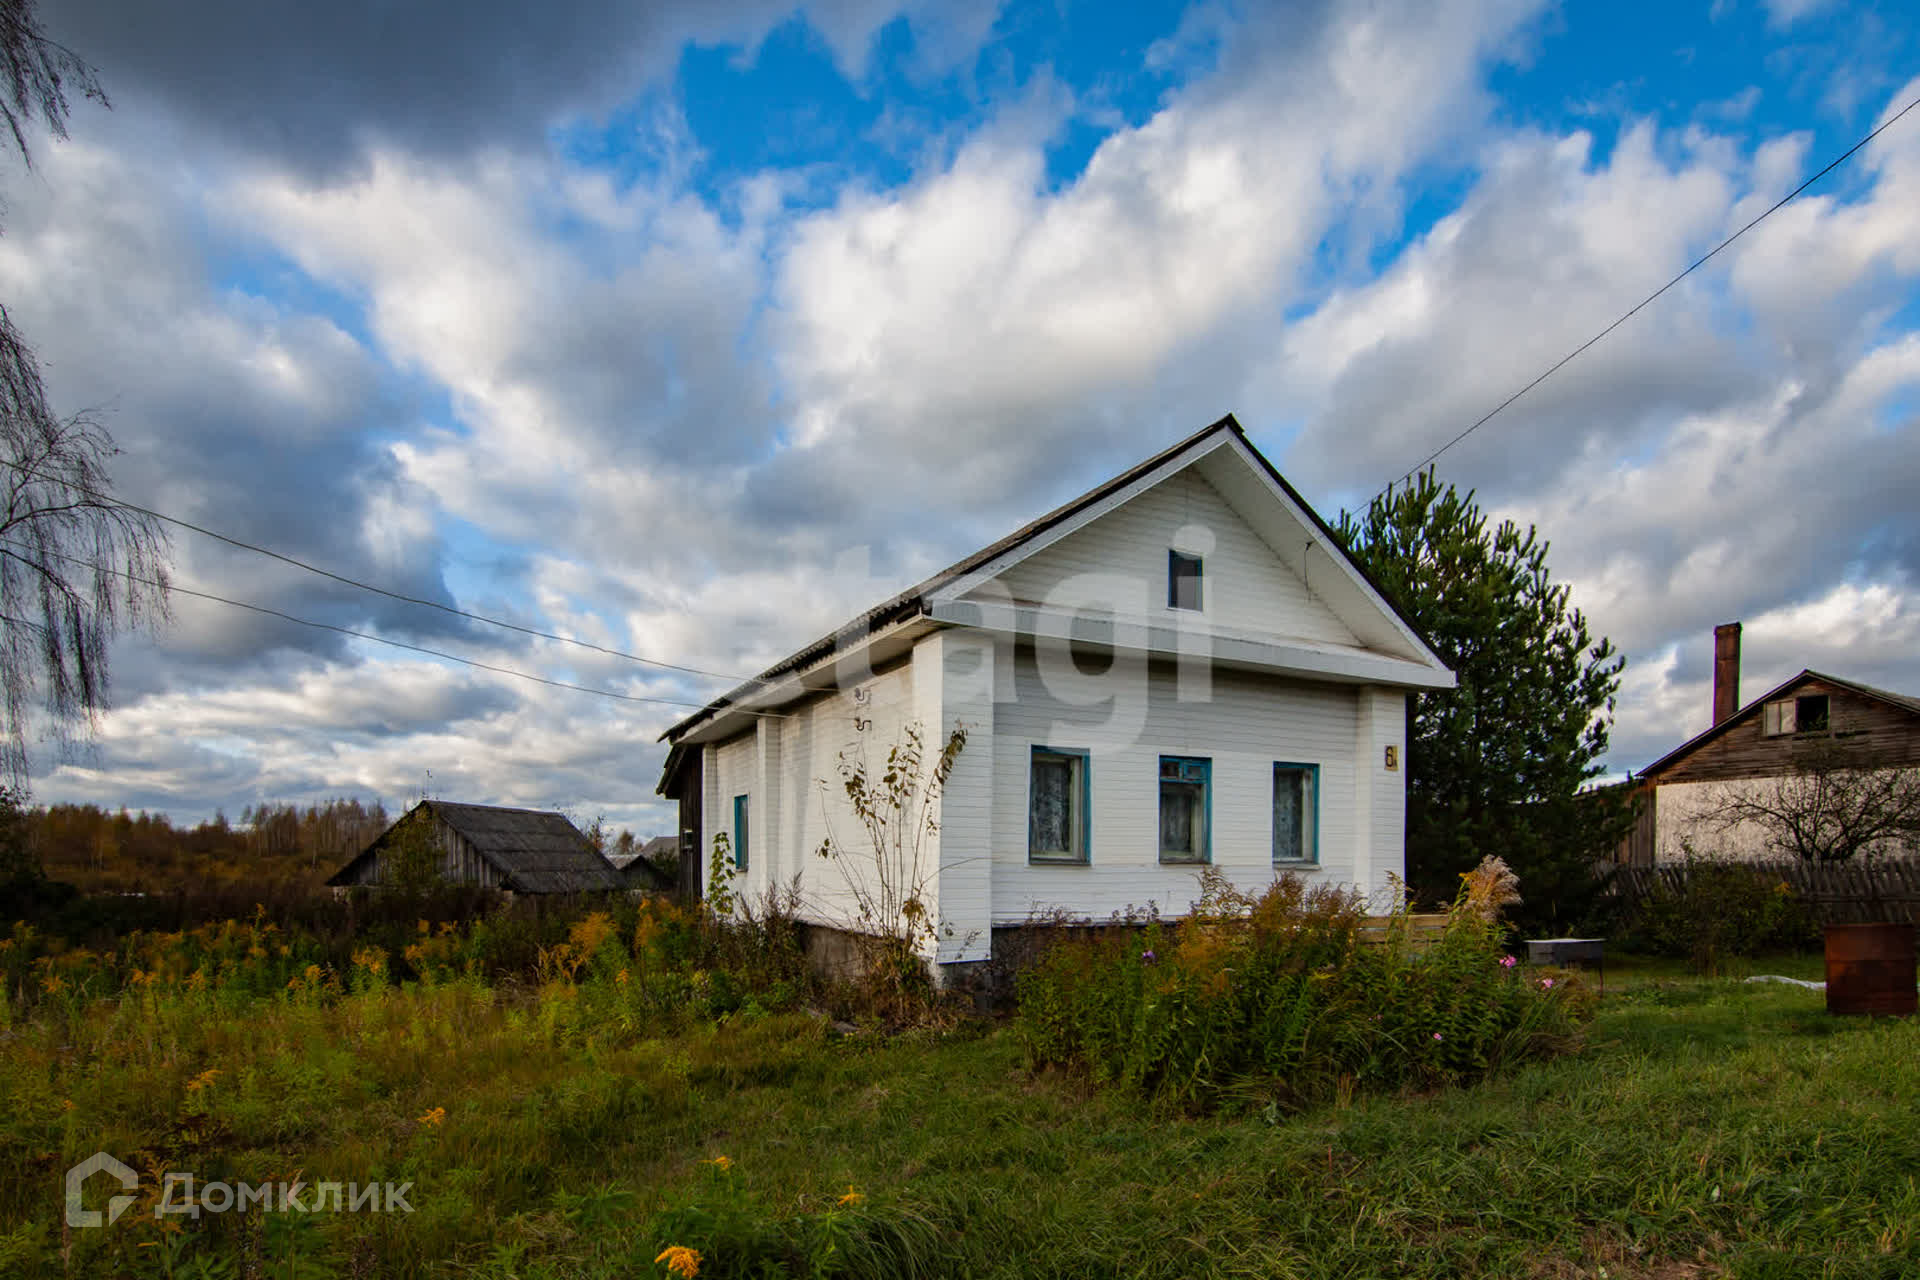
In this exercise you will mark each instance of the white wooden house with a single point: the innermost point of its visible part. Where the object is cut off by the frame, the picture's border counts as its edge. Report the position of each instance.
(1178, 668)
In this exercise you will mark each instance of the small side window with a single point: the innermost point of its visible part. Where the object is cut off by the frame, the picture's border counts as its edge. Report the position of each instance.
(740, 816)
(1183, 581)
(1296, 796)
(1777, 718)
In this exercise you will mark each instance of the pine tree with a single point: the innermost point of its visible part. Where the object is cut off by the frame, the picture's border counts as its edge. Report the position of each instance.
(1497, 764)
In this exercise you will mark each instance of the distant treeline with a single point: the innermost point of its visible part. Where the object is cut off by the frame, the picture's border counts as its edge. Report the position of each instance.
(281, 845)
(274, 849)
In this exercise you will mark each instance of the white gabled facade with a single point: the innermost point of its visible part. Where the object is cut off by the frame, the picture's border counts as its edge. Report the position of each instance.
(1064, 638)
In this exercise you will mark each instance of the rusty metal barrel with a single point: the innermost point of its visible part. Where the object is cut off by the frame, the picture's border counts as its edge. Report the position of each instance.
(1870, 969)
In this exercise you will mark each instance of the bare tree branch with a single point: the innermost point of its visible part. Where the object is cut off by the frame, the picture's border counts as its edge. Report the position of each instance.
(1834, 804)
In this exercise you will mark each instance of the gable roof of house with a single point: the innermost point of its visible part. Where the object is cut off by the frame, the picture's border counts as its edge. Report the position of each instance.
(1901, 701)
(534, 850)
(914, 600)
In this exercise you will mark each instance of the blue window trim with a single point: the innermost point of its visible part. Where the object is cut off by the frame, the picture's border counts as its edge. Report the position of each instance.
(1174, 560)
(1206, 810)
(1085, 857)
(742, 830)
(1313, 774)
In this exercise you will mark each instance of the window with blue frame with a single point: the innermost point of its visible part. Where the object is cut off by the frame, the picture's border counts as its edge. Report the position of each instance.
(1296, 813)
(1186, 808)
(1058, 795)
(740, 832)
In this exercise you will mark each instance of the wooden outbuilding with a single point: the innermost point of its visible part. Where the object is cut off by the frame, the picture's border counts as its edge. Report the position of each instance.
(1755, 744)
(516, 850)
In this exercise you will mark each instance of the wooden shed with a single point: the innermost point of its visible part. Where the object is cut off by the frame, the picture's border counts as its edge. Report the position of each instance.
(515, 850)
(642, 868)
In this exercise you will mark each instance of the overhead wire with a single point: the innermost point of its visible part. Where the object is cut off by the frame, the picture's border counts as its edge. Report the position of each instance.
(175, 588)
(244, 545)
(1699, 262)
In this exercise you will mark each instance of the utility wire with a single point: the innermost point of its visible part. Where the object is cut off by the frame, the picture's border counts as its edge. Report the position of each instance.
(1833, 164)
(22, 553)
(368, 586)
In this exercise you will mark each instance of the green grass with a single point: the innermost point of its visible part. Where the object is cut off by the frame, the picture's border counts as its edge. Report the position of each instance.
(1709, 1128)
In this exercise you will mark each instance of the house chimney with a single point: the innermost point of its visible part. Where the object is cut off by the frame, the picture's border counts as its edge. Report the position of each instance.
(1726, 670)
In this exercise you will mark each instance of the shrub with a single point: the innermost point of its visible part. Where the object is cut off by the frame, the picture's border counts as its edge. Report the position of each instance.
(1280, 996)
(1718, 910)
(719, 1229)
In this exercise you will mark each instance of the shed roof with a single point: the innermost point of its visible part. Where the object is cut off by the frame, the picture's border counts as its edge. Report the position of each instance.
(534, 850)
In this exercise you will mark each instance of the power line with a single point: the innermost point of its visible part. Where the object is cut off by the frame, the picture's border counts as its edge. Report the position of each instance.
(377, 639)
(368, 586)
(1698, 263)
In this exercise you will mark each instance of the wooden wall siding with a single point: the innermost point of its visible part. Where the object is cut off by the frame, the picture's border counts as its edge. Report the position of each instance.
(1890, 734)
(459, 863)
(1642, 842)
(1244, 585)
(1843, 893)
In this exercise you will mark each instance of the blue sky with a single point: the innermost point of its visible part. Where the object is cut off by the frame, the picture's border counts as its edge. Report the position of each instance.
(692, 330)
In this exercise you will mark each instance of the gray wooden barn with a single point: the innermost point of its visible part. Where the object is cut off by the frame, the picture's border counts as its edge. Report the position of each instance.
(515, 850)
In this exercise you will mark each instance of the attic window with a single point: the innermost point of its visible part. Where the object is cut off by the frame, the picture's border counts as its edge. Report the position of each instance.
(1183, 581)
(1810, 713)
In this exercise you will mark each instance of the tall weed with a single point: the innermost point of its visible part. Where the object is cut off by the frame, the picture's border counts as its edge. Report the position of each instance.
(1279, 995)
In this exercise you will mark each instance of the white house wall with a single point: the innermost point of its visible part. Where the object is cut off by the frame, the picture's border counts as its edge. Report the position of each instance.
(788, 767)
(1247, 725)
(1681, 823)
(1245, 587)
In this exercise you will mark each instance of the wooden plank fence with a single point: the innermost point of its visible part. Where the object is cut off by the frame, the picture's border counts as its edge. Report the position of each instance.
(1422, 930)
(1860, 892)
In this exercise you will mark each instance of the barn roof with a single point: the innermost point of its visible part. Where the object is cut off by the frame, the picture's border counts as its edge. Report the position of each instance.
(534, 850)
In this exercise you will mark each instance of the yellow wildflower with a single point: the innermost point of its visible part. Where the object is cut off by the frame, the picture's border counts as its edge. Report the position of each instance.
(621, 977)
(313, 974)
(852, 1197)
(722, 1163)
(204, 1079)
(66, 1104)
(433, 1118)
(680, 1260)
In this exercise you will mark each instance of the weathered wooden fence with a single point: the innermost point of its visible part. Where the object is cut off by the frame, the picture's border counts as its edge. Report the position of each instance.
(1835, 893)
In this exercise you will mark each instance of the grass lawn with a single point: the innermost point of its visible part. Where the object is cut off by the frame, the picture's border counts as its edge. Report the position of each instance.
(1710, 1128)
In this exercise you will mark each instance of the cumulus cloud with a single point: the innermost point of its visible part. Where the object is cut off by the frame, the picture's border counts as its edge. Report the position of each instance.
(345, 301)
(314, 87)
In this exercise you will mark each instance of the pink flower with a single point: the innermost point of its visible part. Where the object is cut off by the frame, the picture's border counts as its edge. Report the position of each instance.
(1438, 1036)
(1507, 962)
(1546, 984)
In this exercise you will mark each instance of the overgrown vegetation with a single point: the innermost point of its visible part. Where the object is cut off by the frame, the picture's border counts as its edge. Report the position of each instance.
(1708, 1129)
(1282, 997)
(889, 872)
(1718, 910)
